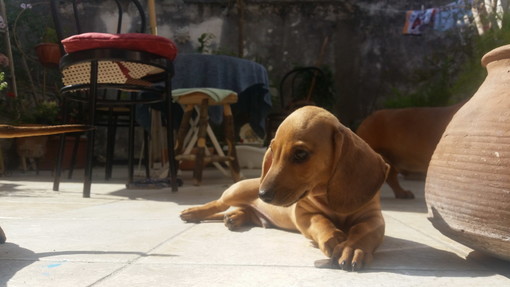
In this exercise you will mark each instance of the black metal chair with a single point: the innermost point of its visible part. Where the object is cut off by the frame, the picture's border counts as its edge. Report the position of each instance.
(111, 70)
(298, 88)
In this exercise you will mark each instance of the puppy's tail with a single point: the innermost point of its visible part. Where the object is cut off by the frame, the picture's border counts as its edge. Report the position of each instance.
(8, 131)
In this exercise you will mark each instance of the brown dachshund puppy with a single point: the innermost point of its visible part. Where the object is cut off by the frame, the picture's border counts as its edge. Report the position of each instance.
(406, 138)
(318, 178)
(7, 131)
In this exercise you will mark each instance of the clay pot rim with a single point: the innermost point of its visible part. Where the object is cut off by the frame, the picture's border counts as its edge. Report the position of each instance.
(496, 54)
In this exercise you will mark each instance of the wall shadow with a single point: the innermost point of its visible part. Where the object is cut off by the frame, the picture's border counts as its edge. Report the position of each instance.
(14, 258)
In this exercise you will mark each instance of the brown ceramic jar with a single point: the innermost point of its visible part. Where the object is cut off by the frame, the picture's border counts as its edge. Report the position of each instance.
(468, 181)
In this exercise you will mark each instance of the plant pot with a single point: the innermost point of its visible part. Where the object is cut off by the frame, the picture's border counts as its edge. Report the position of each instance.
(49, 54)
(49, 160)
(31, 148)
(467, 188)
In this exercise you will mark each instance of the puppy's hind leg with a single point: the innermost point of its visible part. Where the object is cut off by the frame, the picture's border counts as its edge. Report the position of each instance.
(208, 211)
(392, 181)
(239, 194)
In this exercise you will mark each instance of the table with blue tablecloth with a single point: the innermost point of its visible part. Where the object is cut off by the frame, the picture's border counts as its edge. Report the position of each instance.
(247, 78)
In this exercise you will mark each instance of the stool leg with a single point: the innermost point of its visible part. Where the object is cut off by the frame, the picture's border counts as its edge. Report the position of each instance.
(202, 132)
(228, 124)
(183, 129)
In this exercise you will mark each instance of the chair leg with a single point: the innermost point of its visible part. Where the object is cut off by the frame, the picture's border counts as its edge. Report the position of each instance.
(60, 156)
(91, 134)
(110, 144)
(131, 143)
(170, 140)
(202, 132)
(228, 123)
(73, 157)
(146, 153)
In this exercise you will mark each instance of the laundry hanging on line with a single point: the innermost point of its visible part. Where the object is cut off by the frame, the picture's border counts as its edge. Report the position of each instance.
(454, 14)
(417, 20)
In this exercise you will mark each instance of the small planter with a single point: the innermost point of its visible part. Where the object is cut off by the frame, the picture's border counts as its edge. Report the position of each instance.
(31, 148)
(48, 54)
(49, 160)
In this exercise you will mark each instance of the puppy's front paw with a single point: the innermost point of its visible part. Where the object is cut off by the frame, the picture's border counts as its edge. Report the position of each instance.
(343, 256)
(328, 245)
(352, 259)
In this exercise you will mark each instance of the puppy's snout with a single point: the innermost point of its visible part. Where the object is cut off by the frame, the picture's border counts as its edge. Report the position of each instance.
(266, 195)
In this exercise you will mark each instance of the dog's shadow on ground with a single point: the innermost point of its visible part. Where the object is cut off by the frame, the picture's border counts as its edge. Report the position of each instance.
(400, 255)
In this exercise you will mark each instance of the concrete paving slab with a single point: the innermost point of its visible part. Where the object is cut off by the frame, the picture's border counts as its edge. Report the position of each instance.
(134, 237)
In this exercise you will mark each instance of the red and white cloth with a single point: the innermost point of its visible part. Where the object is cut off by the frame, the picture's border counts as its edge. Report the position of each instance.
(417, 20)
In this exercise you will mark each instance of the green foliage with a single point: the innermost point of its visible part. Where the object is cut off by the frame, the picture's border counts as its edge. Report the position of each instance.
(3, 84)
(472, 72)
(433, 88)
(36, 100)
(43, 113)
(50, 36)
(456, 76)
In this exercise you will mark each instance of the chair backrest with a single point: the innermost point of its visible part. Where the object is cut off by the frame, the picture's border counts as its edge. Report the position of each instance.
(71, 13)
(302, 86)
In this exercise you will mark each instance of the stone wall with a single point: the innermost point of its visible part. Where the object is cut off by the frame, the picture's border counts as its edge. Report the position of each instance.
(360, 42)
(364, 45)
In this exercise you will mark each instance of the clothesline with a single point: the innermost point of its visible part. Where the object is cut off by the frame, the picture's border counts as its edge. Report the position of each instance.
(468, 4)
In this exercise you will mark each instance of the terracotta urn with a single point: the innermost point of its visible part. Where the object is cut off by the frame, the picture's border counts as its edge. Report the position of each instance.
(467, 188)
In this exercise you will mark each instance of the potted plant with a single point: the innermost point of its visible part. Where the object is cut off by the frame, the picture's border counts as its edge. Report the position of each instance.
(48, 52)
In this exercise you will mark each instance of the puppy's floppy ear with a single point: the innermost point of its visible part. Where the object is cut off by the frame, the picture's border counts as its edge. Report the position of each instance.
(267, 161)
(358, 174)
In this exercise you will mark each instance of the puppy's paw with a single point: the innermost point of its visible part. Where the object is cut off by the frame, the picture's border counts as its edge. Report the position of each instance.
(350, 258)
(331, 241)
(235, 219)
(193, 215)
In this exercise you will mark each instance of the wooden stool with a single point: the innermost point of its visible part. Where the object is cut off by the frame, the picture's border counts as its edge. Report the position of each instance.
(194, 132)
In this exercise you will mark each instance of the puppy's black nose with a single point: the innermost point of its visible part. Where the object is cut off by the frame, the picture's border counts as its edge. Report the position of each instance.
(266, 195)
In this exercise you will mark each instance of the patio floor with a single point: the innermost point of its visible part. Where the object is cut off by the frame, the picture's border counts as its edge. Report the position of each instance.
(129, 237)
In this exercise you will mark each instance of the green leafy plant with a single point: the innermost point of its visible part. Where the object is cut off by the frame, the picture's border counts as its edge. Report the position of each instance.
(3, 83)
(472, 72)
(49, 36)
(42, 113)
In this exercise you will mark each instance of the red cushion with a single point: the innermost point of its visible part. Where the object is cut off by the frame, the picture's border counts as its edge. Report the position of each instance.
(132, 41)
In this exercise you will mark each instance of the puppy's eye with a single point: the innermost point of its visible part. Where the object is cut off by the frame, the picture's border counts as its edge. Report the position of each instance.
(300, 155)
